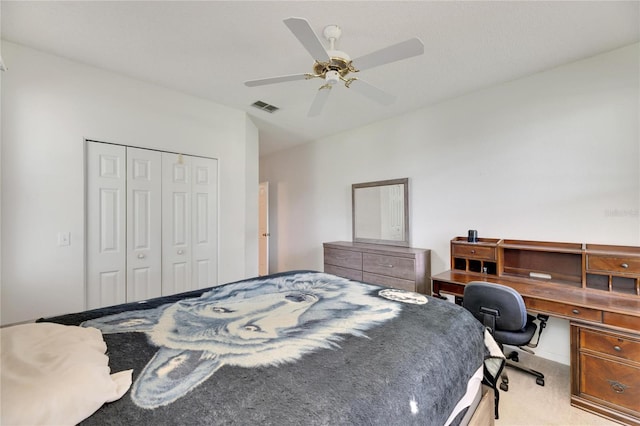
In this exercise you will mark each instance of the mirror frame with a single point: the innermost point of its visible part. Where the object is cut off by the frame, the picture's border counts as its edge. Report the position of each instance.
(403, 181)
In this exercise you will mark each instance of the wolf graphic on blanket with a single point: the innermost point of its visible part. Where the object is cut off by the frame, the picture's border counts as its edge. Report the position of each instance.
(247, 324)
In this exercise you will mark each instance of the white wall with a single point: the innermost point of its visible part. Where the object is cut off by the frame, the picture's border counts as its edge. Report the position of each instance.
(554, 156)
(49, 105)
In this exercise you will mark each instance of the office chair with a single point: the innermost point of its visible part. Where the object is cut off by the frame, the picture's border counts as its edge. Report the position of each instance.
(501, 309)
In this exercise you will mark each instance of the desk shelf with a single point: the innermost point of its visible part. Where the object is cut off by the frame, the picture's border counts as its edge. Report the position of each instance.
(560, 263)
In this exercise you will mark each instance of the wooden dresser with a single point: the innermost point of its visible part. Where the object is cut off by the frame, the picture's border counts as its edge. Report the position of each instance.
(595, 287)
(399, 267)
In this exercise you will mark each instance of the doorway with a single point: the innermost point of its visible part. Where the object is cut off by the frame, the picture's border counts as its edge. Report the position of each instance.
(263, 229)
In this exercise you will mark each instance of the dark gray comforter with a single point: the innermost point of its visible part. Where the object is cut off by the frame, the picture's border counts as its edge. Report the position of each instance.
(299, 348)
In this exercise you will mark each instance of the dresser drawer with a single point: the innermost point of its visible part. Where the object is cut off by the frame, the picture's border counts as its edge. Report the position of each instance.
(398, 267)
(344, 258)
(614, 382)
(621, 264)
(351, 274)
(389, 281)
(563, 309)
(473, 251)
(610, 344)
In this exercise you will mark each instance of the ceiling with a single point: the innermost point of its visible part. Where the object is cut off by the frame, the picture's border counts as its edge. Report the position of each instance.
(209, 48)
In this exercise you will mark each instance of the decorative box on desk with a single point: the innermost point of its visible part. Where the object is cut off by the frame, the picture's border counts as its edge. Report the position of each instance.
(596, 287)
(400, 267)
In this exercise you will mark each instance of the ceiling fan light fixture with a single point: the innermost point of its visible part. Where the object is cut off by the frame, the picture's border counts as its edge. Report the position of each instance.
(332, 77)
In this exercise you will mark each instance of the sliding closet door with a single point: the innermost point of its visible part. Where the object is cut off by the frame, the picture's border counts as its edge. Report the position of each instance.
(144, 223)
(106, 227)
(204, 222)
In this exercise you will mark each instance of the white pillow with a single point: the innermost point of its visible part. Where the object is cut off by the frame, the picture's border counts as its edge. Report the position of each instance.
(55, 374)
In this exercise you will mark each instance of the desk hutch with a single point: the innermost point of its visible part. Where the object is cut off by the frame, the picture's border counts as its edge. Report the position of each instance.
(596, 287)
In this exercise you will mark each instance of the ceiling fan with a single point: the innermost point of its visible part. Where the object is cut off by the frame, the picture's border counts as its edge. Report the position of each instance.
(333, 65)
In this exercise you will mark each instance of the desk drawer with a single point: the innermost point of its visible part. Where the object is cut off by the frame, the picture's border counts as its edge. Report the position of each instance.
(621, 320)
(564, 309)
(344, 258)
(610, 381)
(610, 344)
(473, 251)
(440, 287)
(623, 264)
(398, 267)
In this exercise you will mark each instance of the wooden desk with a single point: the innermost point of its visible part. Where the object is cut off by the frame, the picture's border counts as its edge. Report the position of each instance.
(605, 325)
(549, 298)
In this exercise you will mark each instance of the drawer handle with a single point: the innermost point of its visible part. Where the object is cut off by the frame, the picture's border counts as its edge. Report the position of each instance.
(473, 252)
(386, 265)
(576, 311)
(617, 386)
(617, 348)
(625, 265)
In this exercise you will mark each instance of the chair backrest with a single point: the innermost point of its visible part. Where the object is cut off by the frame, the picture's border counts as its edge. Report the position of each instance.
(482, 299)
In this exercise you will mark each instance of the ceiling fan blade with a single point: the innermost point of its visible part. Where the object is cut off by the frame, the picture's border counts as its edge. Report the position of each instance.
(396, 52)
(319, 100)
(273, 80)
(372, 92)
(304, 33)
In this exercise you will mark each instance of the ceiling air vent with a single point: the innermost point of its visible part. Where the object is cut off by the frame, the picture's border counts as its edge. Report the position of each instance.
(265, 106)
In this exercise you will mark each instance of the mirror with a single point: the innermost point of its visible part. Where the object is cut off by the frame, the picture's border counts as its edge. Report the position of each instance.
(381, 212)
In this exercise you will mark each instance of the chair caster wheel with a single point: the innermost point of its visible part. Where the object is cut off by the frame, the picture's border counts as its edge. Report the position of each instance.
(504, 387)
(540, 381)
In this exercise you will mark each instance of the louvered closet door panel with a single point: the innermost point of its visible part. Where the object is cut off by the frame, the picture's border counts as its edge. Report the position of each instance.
(176, 223)
(204, 222)
(144, 223)
(106, 226)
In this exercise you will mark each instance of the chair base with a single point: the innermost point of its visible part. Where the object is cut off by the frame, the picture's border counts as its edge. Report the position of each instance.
(504, 385)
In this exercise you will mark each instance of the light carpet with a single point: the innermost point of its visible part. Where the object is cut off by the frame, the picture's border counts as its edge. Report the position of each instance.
(528, 404)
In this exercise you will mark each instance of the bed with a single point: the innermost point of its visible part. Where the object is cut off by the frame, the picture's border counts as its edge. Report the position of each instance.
(300, 347)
